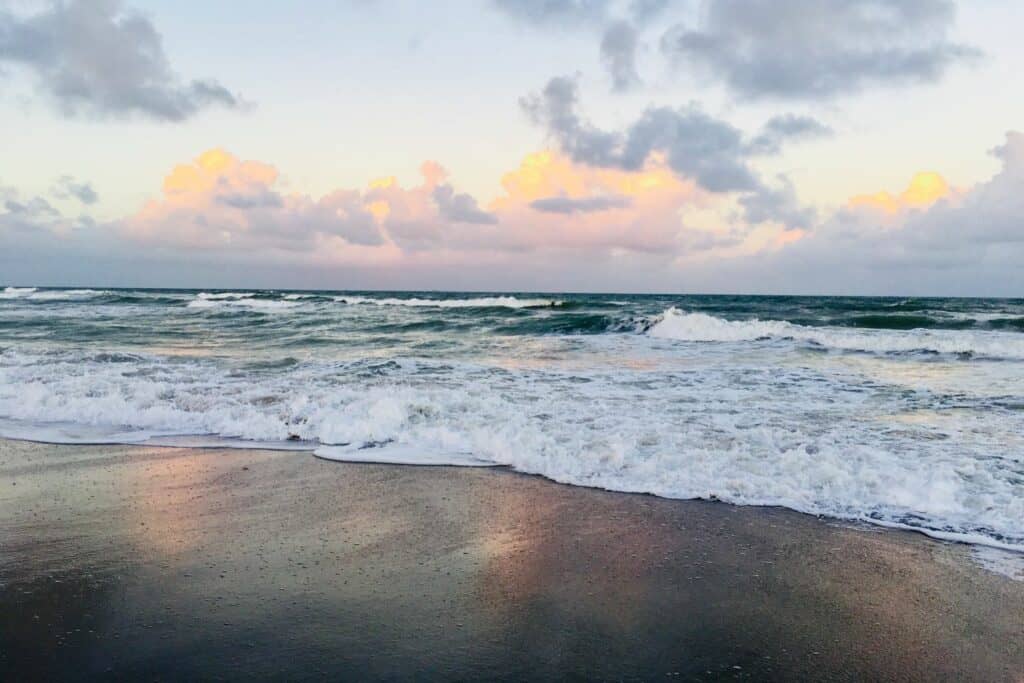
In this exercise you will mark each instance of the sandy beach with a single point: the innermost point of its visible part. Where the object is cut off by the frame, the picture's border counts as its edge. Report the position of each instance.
(121, 562)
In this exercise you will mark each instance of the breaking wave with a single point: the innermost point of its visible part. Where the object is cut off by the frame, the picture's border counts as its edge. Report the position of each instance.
(479, 302)
(613, 430)
(36, 294)
(230, 300)
(701, 327)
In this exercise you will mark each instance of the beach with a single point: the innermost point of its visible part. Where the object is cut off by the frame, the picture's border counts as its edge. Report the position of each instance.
(129, 562)
(517, 340)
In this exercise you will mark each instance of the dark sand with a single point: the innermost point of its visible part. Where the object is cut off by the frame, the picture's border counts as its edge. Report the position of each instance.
(128, 562)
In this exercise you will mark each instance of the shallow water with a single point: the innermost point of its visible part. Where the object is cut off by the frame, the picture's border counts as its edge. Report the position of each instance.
(902, 412)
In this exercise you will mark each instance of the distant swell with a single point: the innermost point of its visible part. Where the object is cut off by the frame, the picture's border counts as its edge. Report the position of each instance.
(896, 322)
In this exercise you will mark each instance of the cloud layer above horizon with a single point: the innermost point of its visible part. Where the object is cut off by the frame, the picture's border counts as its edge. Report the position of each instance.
(551, 212)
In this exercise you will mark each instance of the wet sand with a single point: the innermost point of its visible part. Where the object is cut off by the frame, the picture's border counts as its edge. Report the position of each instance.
(175, 564)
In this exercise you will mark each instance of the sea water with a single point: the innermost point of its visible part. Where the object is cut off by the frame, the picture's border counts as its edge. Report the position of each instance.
(900, 412)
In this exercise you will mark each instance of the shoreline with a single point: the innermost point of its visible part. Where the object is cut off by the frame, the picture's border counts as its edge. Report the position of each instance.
(122, 561)
(313, 450)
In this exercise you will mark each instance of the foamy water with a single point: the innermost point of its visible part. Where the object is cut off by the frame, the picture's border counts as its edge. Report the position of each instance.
(906, 413)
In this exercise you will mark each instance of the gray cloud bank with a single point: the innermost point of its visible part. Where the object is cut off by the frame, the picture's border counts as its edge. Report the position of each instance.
(817, 48)
(67, 187)
(710, 151)
(98, 58)
(799, 49)
(569, 205)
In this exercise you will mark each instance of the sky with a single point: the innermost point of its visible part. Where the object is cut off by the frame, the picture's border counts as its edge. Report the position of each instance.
(734, 146)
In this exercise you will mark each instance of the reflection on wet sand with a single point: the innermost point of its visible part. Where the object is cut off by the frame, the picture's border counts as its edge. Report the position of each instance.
(133, 562)
(710, 590)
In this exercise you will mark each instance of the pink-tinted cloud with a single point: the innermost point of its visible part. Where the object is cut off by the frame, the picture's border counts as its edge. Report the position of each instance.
(552, 224)
(221, 201)
(549, 203)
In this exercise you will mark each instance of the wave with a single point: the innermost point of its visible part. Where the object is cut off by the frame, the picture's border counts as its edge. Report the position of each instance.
(898, 322)
(16, 292)
(66, 294)
(701, 327)
(1002, 322)
(35, 294)
(677, 436)
(217, 296)
(564, 323)
(478, 302)
(236, 301)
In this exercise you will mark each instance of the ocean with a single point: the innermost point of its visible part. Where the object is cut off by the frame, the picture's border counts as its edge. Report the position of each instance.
(902, 412)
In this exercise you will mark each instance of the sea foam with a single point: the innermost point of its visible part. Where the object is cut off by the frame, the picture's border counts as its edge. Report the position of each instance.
(16, 292)
(476, 302)
(700, 327)
(747, 435)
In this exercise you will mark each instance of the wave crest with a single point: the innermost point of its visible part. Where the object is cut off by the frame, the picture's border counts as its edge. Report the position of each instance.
(16, 292)
(478, 302)
(35, 294)
(701, 327)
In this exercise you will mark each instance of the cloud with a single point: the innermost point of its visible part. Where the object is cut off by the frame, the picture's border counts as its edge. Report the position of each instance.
(460, 207)
(35, 215)
(556, 12)
(777, 204)
(694, 145)
(644, 11)
(456, 207)
(567, 221)
(925, 189)
(988, 216)
(551, 204)
(219, 201)
(814, 49)
(557, 224)
(99, 58)
(786, 128)
(618, 27)
(67, 187)
(929, 239)
(569, 205)
(618, 52)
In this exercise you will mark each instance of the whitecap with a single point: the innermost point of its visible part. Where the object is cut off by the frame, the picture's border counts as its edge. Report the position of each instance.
(477, 302)
(259, 304)
(16, 292)
(700, 327)
(207, 296)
